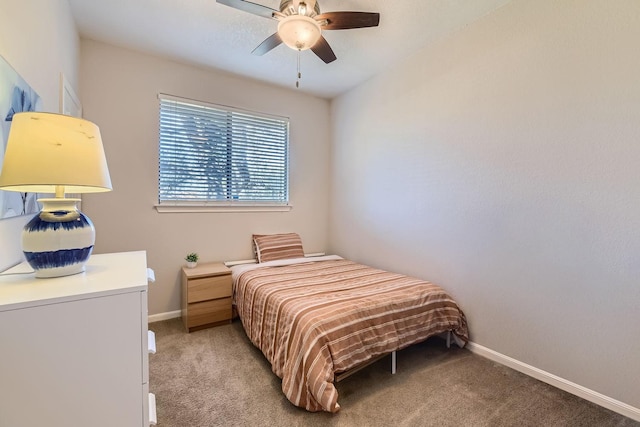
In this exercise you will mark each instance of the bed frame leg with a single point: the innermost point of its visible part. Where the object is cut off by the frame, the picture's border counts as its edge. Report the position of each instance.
(393, 362)
(448, 339)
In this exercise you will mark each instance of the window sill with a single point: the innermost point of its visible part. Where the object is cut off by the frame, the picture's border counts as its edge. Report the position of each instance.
(221, 208)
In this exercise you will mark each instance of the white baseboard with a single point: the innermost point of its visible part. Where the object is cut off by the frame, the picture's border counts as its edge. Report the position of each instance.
(165, 316)
(568, 386)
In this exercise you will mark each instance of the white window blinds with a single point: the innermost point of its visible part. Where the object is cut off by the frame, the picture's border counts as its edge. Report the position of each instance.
(212, 154)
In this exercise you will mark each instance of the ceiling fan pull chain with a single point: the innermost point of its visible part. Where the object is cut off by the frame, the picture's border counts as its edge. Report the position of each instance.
(299, 73)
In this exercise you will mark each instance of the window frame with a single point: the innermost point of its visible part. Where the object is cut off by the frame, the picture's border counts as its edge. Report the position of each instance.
(229, 204)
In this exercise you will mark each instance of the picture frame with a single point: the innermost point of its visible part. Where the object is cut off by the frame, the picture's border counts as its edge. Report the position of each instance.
(15, 96)
(69, 102)
(70, 105)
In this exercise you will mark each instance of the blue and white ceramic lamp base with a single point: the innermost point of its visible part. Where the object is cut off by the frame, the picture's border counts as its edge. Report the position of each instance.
(59, 240)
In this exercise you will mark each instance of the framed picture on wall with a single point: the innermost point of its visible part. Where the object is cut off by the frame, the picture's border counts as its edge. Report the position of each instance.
(69, 102)
(69, 105)
(16, 96)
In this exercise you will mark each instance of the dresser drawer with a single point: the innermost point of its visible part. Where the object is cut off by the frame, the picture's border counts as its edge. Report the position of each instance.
(206, 288)
(203, 313)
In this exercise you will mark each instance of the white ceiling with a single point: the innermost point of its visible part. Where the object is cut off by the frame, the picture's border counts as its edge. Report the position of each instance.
(205, 33)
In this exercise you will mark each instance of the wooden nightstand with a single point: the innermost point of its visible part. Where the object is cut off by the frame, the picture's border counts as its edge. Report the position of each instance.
(206, 296)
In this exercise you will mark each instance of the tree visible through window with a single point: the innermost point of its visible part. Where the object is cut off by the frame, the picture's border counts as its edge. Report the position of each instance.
(211, 154)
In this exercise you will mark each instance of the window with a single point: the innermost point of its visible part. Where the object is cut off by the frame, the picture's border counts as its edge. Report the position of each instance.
(212, 155)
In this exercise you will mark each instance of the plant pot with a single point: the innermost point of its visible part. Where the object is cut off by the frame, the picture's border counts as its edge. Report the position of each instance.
(191, 264)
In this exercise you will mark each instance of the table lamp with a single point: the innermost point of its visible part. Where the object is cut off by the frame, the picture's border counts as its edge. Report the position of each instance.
(54, 153)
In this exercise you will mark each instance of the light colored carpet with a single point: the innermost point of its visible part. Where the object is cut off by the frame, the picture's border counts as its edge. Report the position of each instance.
(216, 377)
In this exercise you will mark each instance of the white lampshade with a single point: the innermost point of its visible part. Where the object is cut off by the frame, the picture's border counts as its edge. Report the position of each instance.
(299, 32)
(53, 153)
(46, 150)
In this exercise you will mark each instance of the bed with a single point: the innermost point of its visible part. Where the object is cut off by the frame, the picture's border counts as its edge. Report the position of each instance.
(314, 318)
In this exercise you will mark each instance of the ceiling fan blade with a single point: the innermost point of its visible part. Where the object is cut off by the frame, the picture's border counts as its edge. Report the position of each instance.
(247, 6)
(264, 47)
(348, 20)
(323, 50)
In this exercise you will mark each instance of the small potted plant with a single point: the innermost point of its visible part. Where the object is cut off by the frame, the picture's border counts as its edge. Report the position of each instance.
(192, 259)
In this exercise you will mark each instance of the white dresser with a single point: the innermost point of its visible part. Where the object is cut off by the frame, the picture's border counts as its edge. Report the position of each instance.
(74, 350)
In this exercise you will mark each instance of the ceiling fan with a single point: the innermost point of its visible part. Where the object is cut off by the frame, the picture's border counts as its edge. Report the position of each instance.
(300, 25)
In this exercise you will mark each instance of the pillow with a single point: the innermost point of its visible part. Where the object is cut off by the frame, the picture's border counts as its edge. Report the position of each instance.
(270, 247)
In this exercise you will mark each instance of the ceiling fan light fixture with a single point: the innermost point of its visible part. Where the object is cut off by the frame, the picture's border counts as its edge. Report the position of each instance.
(302, 8)
(299, 32)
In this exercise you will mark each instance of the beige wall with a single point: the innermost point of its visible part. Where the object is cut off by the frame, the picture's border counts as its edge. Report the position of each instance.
(39, 39)
(503, 164)
(120, 89)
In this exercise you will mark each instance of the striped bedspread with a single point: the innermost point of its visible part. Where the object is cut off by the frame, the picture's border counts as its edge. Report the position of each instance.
(314, 319)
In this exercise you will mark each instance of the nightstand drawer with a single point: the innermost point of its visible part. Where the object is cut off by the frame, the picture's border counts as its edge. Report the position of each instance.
(203, 313)
(206, 288)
